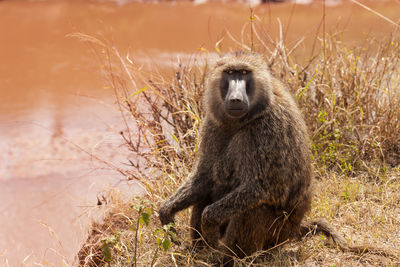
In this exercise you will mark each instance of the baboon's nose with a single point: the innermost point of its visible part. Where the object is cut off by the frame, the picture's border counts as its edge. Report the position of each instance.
(236, 100)
(236, 89)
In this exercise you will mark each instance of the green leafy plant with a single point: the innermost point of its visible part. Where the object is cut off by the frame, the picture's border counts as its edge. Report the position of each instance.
(143, 208)
(108, 244)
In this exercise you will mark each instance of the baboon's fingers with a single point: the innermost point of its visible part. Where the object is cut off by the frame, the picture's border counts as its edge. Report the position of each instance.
(165, 215)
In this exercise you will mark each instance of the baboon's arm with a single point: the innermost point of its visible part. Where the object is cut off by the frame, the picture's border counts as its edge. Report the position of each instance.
(241, 199)
(191, 192)
(195, 189)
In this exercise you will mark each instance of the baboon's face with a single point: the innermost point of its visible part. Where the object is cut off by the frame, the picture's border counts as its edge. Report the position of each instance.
(236, 87)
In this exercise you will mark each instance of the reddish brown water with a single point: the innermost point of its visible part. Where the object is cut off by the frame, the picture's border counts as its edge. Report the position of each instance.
(54, 105)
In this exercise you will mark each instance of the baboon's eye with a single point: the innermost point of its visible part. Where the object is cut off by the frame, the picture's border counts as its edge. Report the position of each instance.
(230, 72)
(244, 72)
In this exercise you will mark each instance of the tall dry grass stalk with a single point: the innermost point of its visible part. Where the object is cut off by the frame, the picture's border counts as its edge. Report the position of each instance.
(350, 99)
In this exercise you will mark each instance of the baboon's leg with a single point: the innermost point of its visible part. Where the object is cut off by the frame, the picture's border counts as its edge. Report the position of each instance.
(245, 234)
(195, 221)
(257, 229)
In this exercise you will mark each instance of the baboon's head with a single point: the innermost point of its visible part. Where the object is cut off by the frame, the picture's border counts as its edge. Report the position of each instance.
(237, 86)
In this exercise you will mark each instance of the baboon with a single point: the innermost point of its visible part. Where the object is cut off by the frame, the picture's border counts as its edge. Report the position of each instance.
(250, 186)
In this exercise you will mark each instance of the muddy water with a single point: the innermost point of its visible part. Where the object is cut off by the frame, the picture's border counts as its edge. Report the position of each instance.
(55, 111)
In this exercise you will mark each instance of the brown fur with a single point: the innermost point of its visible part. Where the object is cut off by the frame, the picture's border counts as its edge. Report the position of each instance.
(250, 186)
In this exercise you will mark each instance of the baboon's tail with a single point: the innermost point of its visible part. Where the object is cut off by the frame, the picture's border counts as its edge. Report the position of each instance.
(324, 227)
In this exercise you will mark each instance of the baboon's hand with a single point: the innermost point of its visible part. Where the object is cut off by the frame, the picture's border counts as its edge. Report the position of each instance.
(165, 214)
(210, 228)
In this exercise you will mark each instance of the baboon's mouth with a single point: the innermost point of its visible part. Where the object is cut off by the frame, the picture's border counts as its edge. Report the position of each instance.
(239, 107)
(236, 112)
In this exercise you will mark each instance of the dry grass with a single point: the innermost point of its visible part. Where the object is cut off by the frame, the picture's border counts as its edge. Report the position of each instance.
(350, 98)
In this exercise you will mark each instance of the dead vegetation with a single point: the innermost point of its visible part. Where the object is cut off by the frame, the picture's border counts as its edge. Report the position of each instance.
(350, 98)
